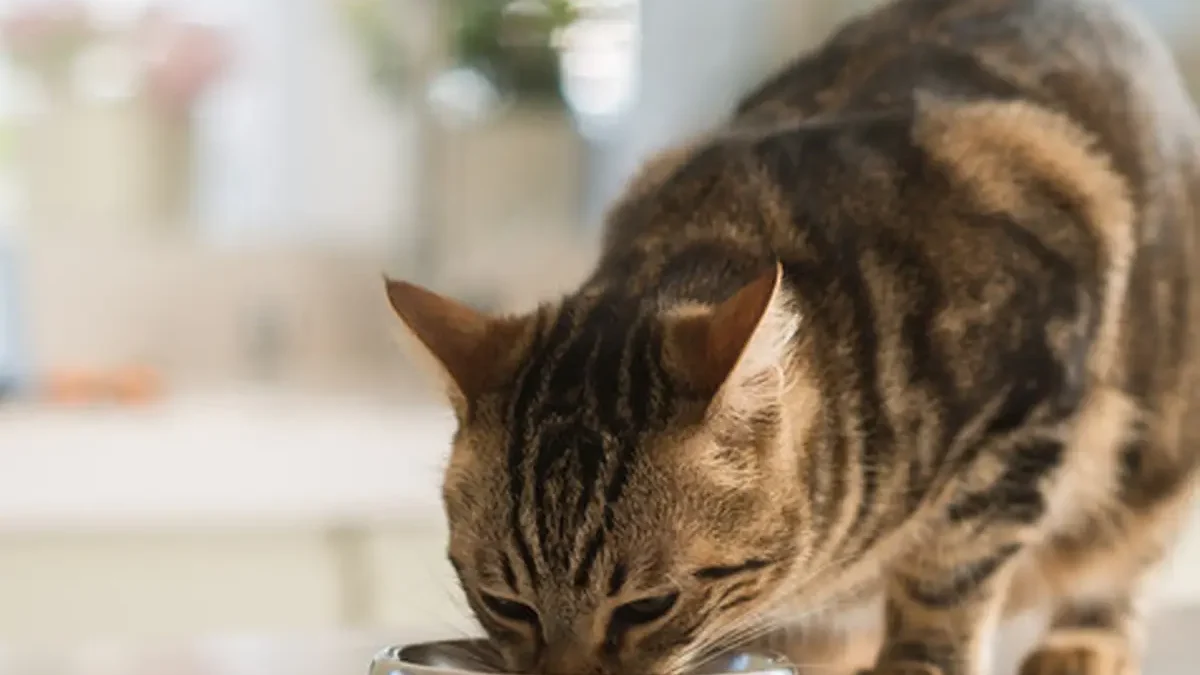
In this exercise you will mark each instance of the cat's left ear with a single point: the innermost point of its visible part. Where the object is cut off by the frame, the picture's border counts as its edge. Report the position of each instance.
(473, 351)
(739, 344)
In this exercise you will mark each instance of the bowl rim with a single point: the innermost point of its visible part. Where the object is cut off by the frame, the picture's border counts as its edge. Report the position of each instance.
(395, 653)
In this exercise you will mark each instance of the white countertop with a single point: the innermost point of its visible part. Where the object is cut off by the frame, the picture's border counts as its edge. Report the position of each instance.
(229, 460)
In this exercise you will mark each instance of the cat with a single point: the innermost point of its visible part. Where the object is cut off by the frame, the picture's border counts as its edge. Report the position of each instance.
(919, 322)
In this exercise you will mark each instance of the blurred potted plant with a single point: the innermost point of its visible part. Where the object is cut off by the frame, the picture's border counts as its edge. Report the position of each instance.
(458, 69)
(513, 43)
(386, 51)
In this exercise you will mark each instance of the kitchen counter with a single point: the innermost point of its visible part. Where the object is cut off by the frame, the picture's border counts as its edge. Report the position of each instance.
(256, 511)
(231, 460)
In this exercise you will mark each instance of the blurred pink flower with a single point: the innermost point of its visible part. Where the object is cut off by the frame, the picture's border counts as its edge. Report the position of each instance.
(37, 32)
(179, 60)
(182, 60)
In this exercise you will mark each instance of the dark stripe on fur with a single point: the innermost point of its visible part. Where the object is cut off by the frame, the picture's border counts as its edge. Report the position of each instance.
(616, 580)
(643, 405)
(1016, 496)
(736, 602)
(506, 569)
(566, 396)
(721, 572)
(943, 655)
(524, 392)
(943, 594)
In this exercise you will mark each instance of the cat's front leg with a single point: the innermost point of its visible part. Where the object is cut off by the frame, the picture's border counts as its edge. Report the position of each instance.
(945, 595)
(942, 606)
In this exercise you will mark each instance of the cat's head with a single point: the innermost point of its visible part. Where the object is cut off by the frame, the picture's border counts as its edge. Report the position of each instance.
(621, 492)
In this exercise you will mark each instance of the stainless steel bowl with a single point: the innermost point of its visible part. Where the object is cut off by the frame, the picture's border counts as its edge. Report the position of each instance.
(472, 657)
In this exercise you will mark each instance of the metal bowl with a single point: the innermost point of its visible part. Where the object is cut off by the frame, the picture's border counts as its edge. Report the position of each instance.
(474, 657)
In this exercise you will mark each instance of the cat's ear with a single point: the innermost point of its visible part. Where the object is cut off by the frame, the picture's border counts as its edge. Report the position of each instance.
(736, 343)
(472, 351)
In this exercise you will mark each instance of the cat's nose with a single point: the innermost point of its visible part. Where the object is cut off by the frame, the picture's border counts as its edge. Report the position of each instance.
(568, 660)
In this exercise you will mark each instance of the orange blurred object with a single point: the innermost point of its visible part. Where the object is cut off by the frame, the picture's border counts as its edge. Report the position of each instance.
(136, 385)
(72, 387)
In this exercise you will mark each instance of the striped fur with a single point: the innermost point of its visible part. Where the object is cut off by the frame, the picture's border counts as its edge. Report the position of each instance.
(920, 321)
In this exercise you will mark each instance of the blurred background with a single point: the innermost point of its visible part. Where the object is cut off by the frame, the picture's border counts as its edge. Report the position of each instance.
(213, 457)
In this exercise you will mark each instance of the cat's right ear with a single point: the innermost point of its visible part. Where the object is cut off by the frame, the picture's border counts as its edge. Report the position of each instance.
(728, 348)
(473, 352)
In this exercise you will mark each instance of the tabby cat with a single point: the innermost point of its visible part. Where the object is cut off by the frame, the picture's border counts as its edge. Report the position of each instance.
(920, 321)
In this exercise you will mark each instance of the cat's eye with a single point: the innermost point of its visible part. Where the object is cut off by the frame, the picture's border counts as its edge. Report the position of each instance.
(512, 610)
(645, 610)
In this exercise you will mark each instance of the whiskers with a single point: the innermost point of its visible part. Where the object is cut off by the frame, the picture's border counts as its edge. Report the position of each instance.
(774, 626)
(483, 657)
(474, 656)
(452, 593)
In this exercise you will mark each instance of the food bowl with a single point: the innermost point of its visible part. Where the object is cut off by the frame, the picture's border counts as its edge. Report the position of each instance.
(472, 657)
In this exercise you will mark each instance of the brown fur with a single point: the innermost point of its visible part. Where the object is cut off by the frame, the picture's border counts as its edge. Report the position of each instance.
(920, 324)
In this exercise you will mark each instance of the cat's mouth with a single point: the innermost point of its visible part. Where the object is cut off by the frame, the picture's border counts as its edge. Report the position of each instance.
(472, 657)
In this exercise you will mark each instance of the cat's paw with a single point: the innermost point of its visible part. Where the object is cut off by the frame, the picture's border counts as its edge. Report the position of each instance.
(1080, 654)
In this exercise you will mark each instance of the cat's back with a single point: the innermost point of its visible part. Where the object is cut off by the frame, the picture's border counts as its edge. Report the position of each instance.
(1096, 64)
(1095, 60)
(1079, 55)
